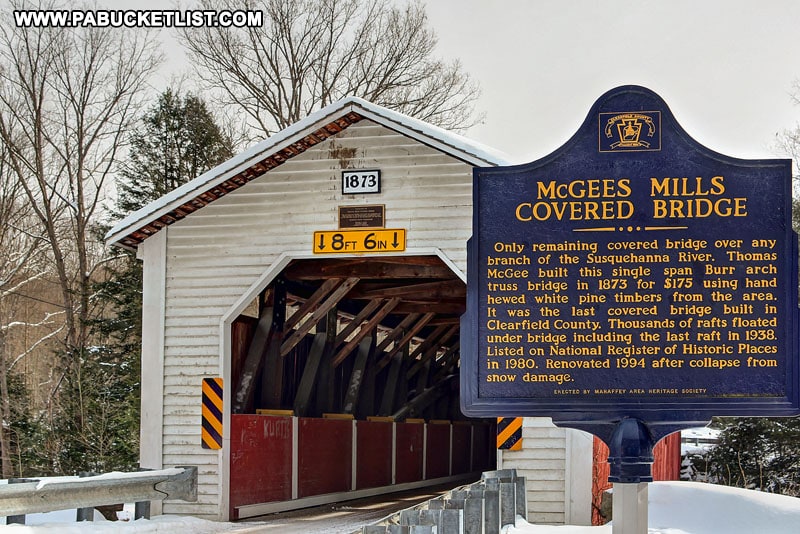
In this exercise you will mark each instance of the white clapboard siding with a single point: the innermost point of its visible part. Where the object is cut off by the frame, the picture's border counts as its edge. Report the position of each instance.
(545, 471)
(214, 255)
(556, 463)
(542, 461)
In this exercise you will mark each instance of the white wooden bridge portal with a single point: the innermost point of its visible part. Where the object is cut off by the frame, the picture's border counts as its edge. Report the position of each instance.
(321, 276)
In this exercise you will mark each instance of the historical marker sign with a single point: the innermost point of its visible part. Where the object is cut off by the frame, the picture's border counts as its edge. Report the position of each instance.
(633, 273)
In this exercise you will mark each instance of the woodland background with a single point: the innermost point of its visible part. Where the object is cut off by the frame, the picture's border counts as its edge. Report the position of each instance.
(85, 140)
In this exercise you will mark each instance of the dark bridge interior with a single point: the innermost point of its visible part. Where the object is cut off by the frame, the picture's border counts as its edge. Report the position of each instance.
(374, 336)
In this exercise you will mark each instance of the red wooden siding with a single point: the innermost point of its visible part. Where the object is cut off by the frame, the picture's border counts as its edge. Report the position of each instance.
(262, 449)
(666, 466)
(409, 452)
(438, 451)
(325, 456)
(374, 442)
(261, 461)
(462, 448)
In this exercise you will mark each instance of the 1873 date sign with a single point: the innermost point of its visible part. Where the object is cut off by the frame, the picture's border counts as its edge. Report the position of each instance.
(631, 284)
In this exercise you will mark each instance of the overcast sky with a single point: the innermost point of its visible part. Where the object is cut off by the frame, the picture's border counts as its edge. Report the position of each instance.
(726, 68)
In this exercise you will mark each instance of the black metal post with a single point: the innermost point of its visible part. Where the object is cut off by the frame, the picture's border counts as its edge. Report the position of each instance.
(17, 519)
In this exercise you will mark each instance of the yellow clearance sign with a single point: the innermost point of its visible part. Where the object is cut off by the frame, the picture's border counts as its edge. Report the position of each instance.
(349, 241)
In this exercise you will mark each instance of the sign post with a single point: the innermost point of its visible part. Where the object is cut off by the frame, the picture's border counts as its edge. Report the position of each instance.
(631, 284)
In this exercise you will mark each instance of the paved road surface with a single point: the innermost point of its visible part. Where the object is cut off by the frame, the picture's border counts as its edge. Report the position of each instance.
(339, 518)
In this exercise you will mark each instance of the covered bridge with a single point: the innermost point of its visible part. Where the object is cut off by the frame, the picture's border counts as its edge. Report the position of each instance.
(314, 283)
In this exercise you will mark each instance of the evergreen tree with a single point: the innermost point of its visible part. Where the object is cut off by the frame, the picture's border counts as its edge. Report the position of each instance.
(755, 452)
(179, 141)
(758, 453)
(27, 435)
(176, 141)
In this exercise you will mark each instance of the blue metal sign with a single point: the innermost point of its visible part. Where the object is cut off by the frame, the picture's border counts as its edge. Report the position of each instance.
(633, 274)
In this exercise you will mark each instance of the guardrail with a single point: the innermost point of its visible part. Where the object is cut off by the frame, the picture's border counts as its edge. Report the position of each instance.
(63, 493)
(484, 507)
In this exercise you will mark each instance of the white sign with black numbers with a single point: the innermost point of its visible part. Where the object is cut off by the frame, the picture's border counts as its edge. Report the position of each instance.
(361, 182)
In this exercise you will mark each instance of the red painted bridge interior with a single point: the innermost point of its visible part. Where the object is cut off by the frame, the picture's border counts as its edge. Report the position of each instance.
(262, 448)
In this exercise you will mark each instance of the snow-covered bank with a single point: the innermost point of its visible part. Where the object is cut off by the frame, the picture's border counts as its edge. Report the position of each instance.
(675, 508)
(696, 508)
(60, 523)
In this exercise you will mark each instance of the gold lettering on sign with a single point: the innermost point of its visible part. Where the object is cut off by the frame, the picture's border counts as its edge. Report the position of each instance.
(559, 312)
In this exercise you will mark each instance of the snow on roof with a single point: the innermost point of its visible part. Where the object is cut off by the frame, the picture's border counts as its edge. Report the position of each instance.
(459, 143)
(267, 154)
(700, 433)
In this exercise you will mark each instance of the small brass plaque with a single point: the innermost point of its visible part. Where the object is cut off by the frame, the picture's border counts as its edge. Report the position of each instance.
(369, 216)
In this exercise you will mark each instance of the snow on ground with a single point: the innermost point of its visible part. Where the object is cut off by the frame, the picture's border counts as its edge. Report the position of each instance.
(675, 508)
(697, 508)
(63, 522)
(698, 440)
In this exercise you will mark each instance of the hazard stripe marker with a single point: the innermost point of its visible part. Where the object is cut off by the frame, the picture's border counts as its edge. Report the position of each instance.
(212, 413)
(509, 433)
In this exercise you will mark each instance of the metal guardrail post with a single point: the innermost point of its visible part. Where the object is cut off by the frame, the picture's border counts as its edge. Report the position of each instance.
(473, 515)
(629, 508)
(485, 507)
(507, 503)
(521, 498)
(20, 518)
(141, 510)
(491, 509)
(85, 514)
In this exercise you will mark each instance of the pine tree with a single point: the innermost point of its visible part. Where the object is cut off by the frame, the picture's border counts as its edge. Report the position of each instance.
(27, 435)
(177, 140)
(758, 453)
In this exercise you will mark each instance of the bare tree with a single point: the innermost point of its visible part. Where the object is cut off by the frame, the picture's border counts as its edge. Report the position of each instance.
(787, 142)
(310, 53)
(20, 266)
(67, 98)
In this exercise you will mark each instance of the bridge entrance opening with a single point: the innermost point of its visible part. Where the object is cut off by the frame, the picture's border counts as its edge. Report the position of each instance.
(345, 383)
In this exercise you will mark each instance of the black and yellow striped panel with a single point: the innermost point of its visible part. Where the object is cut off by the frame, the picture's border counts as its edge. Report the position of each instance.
(509, 433)
(212, 413)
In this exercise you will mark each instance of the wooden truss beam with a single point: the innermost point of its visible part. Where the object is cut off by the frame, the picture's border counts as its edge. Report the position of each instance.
(447, 361)
(455, 308)
(406, 338)
(426, 291)
(311, 304)
(323, 342)
(372, 269)
(272, 373)
(252, 363)
(365, 349)
(357, 320)
(270, 323)
(431, 350)
(423, 400)
(365, 329)
(392, 378)
(317, 314)
(397, 331)
(438, 337)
